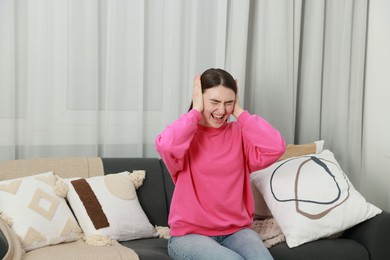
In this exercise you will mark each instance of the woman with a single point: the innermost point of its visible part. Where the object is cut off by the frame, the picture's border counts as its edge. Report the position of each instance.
(210, 161)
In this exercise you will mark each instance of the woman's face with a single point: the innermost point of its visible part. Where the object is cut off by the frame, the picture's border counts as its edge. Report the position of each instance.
(218, 104)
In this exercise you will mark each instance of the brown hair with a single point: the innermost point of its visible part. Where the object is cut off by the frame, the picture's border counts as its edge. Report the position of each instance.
(216, 77)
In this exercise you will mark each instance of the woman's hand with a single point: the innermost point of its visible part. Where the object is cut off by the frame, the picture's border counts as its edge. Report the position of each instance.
(237, 108)
(197, 95)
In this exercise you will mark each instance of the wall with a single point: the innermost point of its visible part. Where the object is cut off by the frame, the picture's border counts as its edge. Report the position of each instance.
(375, 184)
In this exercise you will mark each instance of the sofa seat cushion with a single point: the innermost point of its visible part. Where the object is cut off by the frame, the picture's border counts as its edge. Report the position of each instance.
(80, 250)
(323, 249)
(150, 248)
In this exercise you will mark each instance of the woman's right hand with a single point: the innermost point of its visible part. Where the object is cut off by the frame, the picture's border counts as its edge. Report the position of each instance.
(197, 95)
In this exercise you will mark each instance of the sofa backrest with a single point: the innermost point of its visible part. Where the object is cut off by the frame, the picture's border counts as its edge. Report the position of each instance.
(65, 167)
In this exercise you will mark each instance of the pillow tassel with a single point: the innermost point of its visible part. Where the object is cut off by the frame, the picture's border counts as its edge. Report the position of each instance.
(7, 219)
(99, 240)
(162, 232)
(61, 188)
(137, 177)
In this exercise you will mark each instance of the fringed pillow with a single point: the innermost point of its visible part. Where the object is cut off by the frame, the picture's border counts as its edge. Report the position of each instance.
(107, 208)
(36, 213)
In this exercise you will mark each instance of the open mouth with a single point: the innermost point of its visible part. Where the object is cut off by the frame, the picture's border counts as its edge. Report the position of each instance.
(217, 117)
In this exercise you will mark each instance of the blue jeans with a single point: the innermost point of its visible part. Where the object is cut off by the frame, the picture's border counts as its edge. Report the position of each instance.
(244, 244)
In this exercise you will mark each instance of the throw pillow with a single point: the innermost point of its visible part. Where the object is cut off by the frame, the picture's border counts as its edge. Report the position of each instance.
(38, 216)
(107, 207)
(261, 209)
(311, 197)
(293, 150)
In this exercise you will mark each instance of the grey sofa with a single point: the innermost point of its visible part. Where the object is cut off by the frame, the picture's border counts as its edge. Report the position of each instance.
(368, 240)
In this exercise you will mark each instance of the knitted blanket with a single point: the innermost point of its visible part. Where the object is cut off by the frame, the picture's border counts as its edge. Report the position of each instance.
(269, 231)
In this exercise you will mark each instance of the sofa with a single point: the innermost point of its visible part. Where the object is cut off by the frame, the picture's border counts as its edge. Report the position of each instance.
(367, 240)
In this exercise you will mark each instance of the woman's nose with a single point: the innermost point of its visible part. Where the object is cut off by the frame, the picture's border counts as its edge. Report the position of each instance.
(221, 108)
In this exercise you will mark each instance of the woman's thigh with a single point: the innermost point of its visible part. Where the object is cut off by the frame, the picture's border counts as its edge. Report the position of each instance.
(198, 247)
(248, 244)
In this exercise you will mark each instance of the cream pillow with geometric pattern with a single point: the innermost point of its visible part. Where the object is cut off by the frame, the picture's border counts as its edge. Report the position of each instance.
(38, 216)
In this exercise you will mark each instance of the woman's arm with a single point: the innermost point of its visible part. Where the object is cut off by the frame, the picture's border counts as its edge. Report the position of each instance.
(263, 144)
(172, 144)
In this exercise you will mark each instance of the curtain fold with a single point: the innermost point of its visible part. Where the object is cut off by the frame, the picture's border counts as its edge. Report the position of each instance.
(103, 78)
(331, 87)
(269, 89)
(237, 43)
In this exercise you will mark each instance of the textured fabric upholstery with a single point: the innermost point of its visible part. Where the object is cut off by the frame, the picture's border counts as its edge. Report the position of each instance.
(65, 167)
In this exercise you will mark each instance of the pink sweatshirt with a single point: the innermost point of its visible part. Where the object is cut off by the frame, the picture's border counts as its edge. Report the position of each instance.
(210, 168)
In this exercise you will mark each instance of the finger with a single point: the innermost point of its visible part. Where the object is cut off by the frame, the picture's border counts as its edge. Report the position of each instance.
(237, 98)
(197, 98)
(197, 86)
(197, 80)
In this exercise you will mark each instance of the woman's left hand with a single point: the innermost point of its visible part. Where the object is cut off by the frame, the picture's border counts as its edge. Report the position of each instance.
(237, 107)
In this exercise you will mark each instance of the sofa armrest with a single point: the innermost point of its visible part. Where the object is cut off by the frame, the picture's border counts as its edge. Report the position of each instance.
(374, 235)
(3, 245)
(10, 247)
